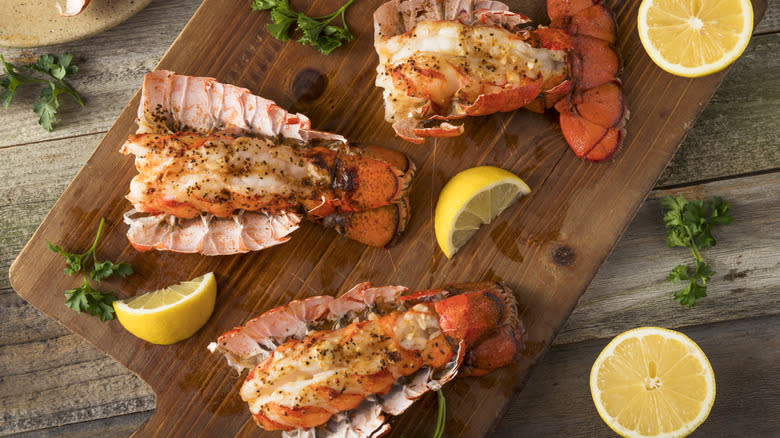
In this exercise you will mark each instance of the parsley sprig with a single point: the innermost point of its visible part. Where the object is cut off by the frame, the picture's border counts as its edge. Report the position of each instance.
(441, 419)
(55, 69)
(85, 298)
(314, 31)
(691, 227)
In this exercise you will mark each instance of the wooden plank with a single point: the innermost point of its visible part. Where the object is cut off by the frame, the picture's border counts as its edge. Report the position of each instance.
(32, 218)
(76, 383)
(743, 355)
(738, 130)
(632, 285)
(771, 21)
(119, 426)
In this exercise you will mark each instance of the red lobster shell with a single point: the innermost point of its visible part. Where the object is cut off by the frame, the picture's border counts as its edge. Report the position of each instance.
(344, 364)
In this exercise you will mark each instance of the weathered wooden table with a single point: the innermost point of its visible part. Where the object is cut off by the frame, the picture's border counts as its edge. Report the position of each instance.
(52, 383)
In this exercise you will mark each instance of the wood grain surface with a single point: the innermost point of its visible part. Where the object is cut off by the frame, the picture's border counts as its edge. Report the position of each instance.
(306, 276)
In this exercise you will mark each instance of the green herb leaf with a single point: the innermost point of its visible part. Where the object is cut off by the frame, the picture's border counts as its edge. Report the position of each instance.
(56, 68)
(282, 21)
(72, 260)
(76, 299)
(46, 108)
(721, 215)
(678, 274)
(314, 31)
(331, 38)
(85, 298)
(10, 82)
(690, 224)
(107, 269)
(264, 5)
(697, 283)
(311, 29)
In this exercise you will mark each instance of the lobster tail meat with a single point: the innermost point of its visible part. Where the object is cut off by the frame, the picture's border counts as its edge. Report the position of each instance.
(246, 346)
(186, 174)
(445, 60)
(337, 371)
(222, 171)
(345, 364)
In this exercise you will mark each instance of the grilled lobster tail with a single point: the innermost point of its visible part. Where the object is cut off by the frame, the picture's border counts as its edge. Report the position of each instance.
(222, 171)
(346, 363)
(446, 60)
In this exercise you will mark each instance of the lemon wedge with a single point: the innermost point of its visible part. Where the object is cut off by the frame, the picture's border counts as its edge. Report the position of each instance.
(652, 382)
(471, 198)
(694, 38)
(171, 314)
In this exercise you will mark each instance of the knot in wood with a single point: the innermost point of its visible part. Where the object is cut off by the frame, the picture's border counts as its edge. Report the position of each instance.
(308, 85)
(563, 256)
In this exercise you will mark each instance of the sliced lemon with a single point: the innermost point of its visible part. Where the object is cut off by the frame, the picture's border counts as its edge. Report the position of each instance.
(652, 382)
(171, 314)
(694, 38)
(471, 198)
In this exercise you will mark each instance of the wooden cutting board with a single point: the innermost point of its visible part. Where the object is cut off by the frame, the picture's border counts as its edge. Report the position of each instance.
(547, 247)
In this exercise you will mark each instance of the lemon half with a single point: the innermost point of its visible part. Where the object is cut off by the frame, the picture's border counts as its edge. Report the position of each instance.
(652, 382)
(471, 198)
(171, 314)
(694, 38)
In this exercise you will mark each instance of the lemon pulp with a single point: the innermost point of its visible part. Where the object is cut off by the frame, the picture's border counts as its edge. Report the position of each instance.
(694, 37)
(652, 382)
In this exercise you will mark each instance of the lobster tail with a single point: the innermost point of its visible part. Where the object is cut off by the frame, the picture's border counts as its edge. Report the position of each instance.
(477, 58)
(345, 364)
(222, 171)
